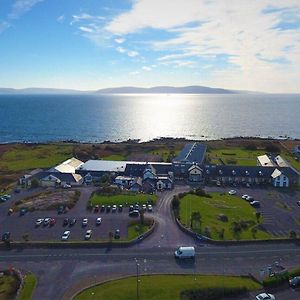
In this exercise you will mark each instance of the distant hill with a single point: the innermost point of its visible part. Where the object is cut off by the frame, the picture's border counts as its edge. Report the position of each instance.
(195, 89)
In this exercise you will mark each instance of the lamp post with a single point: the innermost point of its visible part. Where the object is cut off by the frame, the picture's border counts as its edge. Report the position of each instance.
(137, 280)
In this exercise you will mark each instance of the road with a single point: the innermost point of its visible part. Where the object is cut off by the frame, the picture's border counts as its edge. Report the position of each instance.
(61, 272)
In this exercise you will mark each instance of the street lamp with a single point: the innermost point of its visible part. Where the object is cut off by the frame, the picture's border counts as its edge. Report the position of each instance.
(137, 280)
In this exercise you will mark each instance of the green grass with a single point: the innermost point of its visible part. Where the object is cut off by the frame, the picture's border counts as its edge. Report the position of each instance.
(164, 153)
(235, 208)
(135, 230)
(162, 287)
(114, 157)
(291, 159)
(30, 283)
(235, 156)
(25, 157)
(8, 287)
(124, 199)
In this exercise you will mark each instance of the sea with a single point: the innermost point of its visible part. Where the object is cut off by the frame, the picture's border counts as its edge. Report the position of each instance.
(96, 118)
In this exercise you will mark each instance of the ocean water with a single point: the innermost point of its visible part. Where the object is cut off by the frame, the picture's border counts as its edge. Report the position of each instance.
(96, 118)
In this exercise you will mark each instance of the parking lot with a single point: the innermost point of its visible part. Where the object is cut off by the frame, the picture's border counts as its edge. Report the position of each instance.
(21, 225)
(279, 208)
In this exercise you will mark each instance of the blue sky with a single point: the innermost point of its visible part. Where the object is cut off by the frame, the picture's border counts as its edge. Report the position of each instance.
(92, 44)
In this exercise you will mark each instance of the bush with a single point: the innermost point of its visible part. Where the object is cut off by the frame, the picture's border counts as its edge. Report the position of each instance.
(272, 148)
(251, 147)
(222, 218)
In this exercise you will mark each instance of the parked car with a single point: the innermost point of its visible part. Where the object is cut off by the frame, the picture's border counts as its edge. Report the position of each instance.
(10, 211)
(65, 222)
(298, 202)
(134, 213)
(84, 222)
(23, 211)
(108, 208)
(17, 190)
(232, 192)
(295, 282)
(249, 199)
(114, 208)
(117, 233)
(66, 186)
(5, 236)
(144, 207)
(245, 196)
(72, 222)
(265, 296)
(61, 209)
(52, 222)
(88, 234)
(39, 222)
(102, 208)
(98, 221)
(65, 235)
(120, 207)
(96, 208)
(131, 208)
(46, 221)
(255, 203)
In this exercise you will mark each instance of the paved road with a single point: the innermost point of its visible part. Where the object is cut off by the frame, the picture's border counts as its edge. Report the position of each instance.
(62, 271)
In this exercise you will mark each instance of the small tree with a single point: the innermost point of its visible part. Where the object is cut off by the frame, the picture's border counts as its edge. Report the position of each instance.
(110, 236)
(293, 234)
(142, 216)
(26, 237)
(34, 183)
(254, 231)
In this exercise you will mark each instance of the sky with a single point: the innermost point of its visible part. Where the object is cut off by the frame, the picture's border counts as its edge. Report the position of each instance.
(93, 44)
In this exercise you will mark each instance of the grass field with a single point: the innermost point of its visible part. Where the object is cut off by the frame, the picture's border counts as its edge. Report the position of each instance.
(233, 207)
(165, 154)
(235, 156)
(135, 230)
(30, 283)
(8, 287)
(162, 287)
(25, 157)
(291, 159)
(114, 157)
(124, 199)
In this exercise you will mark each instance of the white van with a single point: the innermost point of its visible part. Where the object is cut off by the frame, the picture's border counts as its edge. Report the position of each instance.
(185, 252)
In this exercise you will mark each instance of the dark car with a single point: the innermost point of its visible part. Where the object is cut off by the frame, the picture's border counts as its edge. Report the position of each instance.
(134, 213)
(102, 209)
(5, 236)
(72, 222)
(131, 208)
(61, 209)
(120, 207)
(108, 208)
(52, 222)
(295, 282)
(117, 233)
(23, 211)
(255, 203)
(65, 222)
(96, 208)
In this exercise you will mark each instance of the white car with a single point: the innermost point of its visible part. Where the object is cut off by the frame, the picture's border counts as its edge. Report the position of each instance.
(265, 296)
(88, 234)
(232, 192)
(149, 207)
(47, 221)
(98, 221)
(39, 222)
(245, 197)
(66, 186)
(114, 208)
(84, 222)
(65, 235)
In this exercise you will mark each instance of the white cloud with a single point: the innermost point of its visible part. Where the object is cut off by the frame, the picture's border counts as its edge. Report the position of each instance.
(132, 53)
(86, 29)
(134, 73)
(256, 53)
(86, 17)
(121, 49)
(145, 68)
(120, 40)
(20, 7)
(61, 19)
(4, 25)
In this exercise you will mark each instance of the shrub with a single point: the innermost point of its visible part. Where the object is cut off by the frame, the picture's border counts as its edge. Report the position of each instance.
(293, 234)
(272, 148)
(251, 147)
(222, 218)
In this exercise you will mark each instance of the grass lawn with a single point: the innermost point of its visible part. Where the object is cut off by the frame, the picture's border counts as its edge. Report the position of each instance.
(291, 159)
(8, 287)
(25, 157)
(30, 283)
(235, 208)
(165, 153)
(134, 230)
(162, 287)
(235, 156)
(124, 199)
(114, 157)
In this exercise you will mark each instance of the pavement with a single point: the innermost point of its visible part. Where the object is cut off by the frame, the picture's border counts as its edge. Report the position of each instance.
(62, 272)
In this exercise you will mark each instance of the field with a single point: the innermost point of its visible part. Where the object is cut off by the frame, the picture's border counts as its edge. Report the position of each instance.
(30, 283)
(162, 287)
(234, 156)
(8, 287)
(135, 230)
(214, 225)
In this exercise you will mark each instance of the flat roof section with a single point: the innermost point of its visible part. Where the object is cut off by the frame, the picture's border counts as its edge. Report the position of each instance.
(192, 152)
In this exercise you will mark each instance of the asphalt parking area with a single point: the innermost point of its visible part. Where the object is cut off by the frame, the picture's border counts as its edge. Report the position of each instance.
(19, 226)
(279, 208)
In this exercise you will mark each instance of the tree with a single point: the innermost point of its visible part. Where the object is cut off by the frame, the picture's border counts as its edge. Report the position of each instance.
(142, 217)
(293, 234)
(110, 236)
(258, 215)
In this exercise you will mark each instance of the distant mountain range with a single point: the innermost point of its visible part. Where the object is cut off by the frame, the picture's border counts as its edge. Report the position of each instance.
(195, 89)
